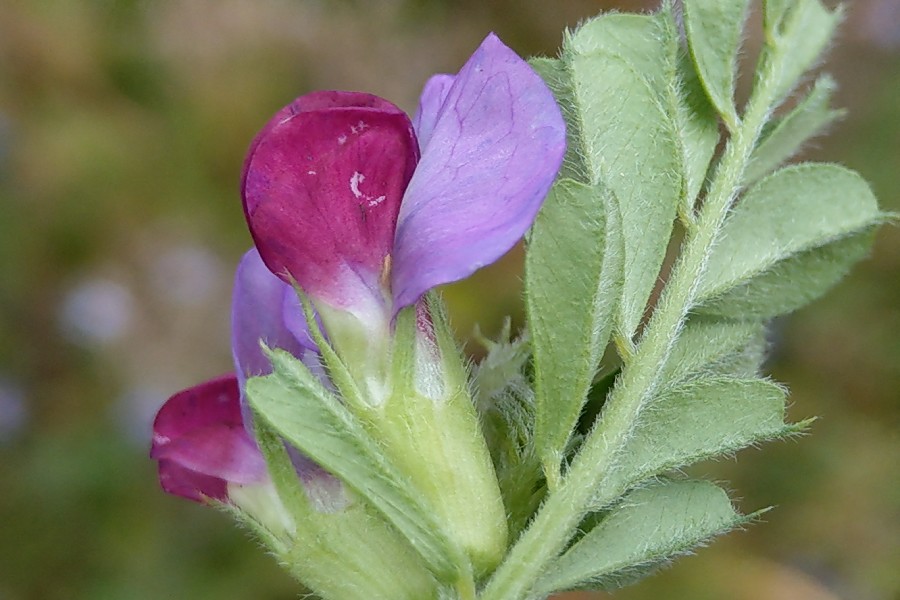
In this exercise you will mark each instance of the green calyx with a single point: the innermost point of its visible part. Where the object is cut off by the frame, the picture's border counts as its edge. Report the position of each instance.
(430, 426)
(415, 454)
(343, 551)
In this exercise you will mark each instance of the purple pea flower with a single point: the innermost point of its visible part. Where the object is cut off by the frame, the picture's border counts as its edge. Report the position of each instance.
(342, 197)
(366, 211)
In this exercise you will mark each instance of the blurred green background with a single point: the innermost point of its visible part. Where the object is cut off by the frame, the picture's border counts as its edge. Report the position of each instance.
(122, 130)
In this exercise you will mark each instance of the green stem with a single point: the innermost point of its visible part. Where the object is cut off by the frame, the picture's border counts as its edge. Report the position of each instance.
(556, 521)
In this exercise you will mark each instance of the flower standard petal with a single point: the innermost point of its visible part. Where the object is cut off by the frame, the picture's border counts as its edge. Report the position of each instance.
(321, 189)
(492, 155)
(201, 444)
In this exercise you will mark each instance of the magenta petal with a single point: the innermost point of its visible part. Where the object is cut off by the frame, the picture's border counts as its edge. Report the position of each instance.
(322, 186)
(430, 103)
(493, 153)
(177, 480)
(222, 451)
(201, 444)
(211, 403)
(310, 102)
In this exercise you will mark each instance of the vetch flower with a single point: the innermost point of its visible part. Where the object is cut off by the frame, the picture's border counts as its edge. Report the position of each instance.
(202, 436)
(366, 210)
(205, 453)
(342, 197)
(201, 445)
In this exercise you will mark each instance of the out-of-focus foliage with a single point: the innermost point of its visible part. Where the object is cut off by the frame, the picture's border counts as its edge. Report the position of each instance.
(123, 125)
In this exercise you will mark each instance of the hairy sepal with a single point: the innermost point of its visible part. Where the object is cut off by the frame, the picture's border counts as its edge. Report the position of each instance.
(295, 405)
(346, 552)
